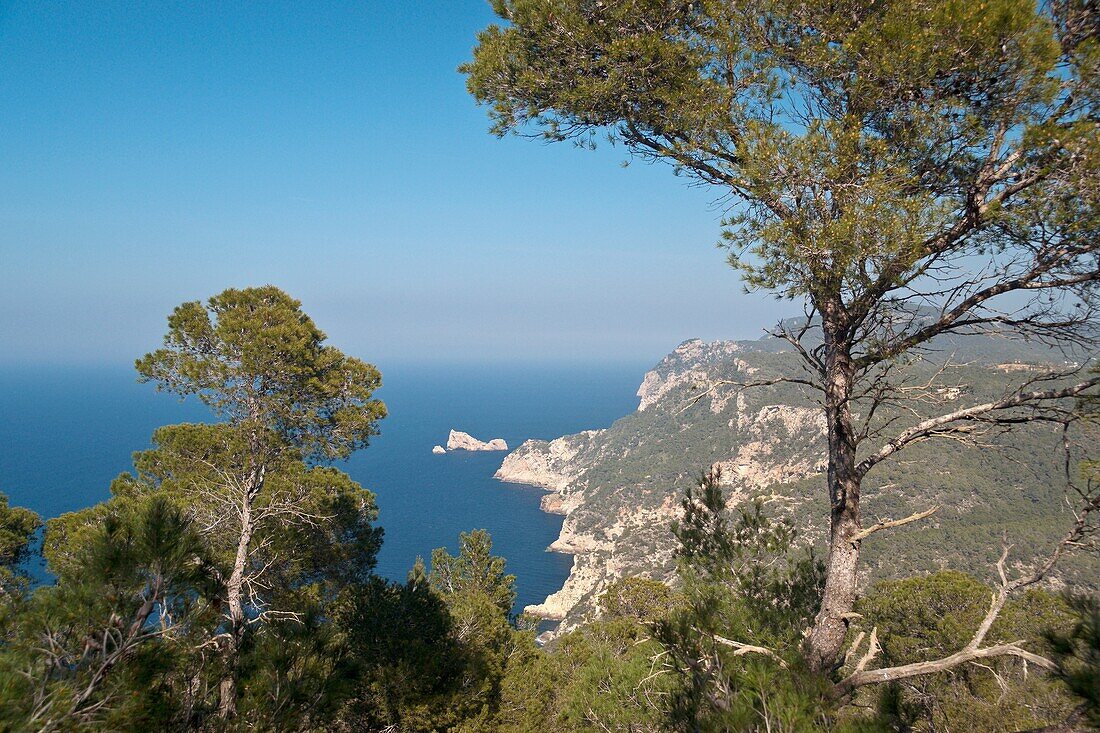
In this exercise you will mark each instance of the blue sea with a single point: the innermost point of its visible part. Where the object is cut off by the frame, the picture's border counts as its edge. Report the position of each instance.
(66, 432)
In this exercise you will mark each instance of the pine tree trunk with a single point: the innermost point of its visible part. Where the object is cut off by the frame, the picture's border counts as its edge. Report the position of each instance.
(227, 694)
(234, 596)
(831, 625)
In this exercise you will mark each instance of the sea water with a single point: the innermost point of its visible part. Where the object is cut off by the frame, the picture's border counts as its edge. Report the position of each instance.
(66, 432)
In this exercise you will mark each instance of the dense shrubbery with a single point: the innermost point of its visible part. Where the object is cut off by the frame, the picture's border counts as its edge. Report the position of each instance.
(441, 653)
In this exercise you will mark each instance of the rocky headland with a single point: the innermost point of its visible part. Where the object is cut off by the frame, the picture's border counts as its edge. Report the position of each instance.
(620, 488)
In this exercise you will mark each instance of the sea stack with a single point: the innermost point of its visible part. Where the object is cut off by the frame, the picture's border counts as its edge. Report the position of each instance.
(459, 440)
(438, 449)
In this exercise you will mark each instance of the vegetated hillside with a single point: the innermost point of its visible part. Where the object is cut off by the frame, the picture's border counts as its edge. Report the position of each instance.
(620, 487)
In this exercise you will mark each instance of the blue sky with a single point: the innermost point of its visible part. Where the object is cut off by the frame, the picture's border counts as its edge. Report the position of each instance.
(159, 152)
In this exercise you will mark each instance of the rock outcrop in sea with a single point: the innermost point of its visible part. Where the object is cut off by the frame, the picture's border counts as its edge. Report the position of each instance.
(458, 440)
(437, 449)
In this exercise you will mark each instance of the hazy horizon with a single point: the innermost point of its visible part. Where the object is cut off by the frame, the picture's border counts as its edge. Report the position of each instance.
(161, 153)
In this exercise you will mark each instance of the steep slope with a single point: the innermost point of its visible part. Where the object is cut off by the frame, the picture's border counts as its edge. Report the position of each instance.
(620, 487)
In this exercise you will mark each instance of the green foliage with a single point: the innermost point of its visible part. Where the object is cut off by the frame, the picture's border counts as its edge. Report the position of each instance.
(211, 575)
(1015, 487)
(296, 673)
(134, 634)
(925, 617)
(768, 582)
(409, 664)
(847, 127)
(750, 591)
(255, 358)
(1076, 651)
(90, 653)
(474, 572)
(431, 653)
(17, 528)
(606, 675)
(190, 464)
(479, 596)
(640, 599)
(878, 155)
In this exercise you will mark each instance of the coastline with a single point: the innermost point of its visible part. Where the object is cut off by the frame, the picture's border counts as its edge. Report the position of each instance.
(550, 466)
(618, 524)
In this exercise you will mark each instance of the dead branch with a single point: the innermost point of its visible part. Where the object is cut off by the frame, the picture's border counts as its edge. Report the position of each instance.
(973, 651)
(984, 412)
(712, 388)
(891, 674)
(852, 649)
(741, 649)
(872, 650)
(890, 523)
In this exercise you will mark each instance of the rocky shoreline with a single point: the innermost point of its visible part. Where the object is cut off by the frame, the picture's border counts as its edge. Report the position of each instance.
(549, 465)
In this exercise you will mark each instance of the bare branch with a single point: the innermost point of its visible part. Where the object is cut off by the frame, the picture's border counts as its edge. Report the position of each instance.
(712, 389)
(872, 651)
(890, 523)
(963, 313)
(891, 674)
(742, 649)
(973, 650)
(951, 420)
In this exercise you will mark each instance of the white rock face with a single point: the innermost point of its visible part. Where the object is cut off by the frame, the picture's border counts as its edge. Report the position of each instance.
(438, 449)
(459, 440)
(687, 366)
(619, 489)
(596, 562)
(547, 465)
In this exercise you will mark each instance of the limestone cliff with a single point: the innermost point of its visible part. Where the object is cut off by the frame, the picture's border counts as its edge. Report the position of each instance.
(551, 465)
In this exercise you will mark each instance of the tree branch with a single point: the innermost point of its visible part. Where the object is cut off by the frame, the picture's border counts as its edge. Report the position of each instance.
(936, 425)
(742, 649)
(973, 650)
(955, 318)
(891, 674)
(890, 523)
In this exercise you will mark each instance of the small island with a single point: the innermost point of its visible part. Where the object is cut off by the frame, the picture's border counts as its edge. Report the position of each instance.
(458, 440)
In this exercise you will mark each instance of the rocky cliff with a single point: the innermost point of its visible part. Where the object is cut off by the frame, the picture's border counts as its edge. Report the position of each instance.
(620, 488)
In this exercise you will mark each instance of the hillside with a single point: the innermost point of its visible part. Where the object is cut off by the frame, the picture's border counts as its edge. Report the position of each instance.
(619, 488)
